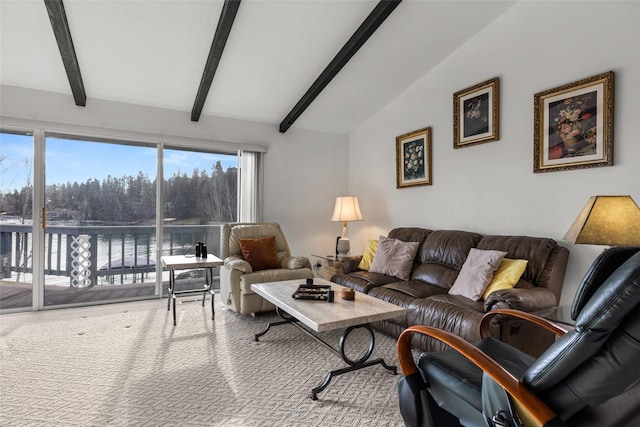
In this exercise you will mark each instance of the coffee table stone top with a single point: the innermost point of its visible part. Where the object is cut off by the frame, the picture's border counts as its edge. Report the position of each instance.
(322, 315)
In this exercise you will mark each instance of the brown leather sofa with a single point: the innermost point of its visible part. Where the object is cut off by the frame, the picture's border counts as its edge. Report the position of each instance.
(438, 261)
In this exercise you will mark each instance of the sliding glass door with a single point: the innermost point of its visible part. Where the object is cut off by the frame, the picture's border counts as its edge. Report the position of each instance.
(200, 193)
(16, 220)
(100, 213)
(100, 233)
(103, 219)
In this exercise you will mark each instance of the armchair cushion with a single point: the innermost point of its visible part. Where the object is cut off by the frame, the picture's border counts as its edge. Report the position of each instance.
(260, 252)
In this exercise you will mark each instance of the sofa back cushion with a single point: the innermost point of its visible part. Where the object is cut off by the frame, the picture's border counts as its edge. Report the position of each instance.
(411, 234)
(442, 255)
(535, 250)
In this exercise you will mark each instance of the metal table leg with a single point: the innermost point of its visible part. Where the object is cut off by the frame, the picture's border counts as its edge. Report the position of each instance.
(354, 365)
(286, 318)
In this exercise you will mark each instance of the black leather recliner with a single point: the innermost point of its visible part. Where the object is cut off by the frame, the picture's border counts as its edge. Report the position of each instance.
(597, 362)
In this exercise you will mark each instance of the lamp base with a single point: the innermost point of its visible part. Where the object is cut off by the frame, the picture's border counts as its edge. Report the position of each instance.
(343, 247)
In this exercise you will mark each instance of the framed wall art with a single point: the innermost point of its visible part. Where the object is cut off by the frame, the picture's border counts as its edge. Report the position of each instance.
(476, 114)
(573, 125)
(413, 158)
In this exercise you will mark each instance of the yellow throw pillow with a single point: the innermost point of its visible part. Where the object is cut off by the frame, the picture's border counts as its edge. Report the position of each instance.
(369, 253)
(506, 276)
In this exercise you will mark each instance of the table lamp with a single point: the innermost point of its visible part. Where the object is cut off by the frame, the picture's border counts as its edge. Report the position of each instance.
(607, 220)
(346, 209)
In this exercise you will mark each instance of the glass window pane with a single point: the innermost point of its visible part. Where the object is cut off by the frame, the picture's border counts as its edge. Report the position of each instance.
(16, 249)
(199, 195)
(100, 239)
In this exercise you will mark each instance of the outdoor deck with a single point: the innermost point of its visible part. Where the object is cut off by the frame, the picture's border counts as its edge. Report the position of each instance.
(95, 264)
(19, 295)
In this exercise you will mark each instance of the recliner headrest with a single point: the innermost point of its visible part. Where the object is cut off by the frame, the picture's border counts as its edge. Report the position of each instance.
(601, 315)
(601, 268)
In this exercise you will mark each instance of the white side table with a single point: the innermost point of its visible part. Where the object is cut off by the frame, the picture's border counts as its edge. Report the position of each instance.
(182, 262)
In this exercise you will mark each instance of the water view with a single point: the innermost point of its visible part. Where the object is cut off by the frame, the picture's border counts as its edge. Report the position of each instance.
(101, 200)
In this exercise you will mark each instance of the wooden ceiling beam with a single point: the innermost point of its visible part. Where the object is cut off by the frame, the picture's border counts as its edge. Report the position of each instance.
(60, 26)
(382, 10)
(227, 16)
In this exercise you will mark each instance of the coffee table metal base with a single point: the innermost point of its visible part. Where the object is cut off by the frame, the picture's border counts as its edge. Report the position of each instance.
(353, 365)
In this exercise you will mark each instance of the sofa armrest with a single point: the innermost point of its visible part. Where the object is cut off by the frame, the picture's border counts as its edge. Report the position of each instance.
(235, 263)
(548, 325)
(295, 262)
(350, 263)
(531, 299)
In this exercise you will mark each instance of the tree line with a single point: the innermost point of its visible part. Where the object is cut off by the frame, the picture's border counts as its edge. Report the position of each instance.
(210, 196)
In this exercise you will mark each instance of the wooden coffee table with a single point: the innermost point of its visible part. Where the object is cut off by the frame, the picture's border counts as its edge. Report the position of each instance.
(322, 316)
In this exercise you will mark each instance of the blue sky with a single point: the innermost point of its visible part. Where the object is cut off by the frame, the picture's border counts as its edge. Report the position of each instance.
(78, 161)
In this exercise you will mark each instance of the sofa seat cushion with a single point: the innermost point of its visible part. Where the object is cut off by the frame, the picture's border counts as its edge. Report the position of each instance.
(460, 300)
(276, 275)
(415, 289)
(403, 294)
(362, 281)
(446, 312)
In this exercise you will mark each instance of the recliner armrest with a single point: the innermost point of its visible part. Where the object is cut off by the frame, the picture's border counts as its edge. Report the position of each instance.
(235, 263)
(540, 412)
(531, 299)
(295, 262)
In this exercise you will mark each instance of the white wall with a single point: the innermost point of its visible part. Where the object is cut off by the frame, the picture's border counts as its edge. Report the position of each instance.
(491, 188)
(304, 170)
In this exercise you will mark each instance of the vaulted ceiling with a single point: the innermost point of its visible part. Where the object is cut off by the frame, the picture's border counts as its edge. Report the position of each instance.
(155, 53)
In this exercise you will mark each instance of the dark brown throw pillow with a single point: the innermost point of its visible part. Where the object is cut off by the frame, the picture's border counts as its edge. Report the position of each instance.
(260, 253)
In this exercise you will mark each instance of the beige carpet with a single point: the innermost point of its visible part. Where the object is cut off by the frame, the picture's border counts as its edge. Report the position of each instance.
(127, 365)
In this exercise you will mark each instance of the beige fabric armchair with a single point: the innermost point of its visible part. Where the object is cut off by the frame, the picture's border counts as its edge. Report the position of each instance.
(237, 276)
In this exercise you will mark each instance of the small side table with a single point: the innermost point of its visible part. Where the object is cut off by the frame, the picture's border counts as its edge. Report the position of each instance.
(182, 262)
(329, 266)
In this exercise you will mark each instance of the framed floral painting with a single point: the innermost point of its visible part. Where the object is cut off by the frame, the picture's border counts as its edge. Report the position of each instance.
(413, 158)
(476, 114)
(573, 125)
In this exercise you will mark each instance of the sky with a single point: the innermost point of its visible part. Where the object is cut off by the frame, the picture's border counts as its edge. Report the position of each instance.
(78, 161)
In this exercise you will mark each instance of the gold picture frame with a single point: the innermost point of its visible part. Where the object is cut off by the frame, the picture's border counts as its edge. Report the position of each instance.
(573, 125)
(476, 114)
(413, 158)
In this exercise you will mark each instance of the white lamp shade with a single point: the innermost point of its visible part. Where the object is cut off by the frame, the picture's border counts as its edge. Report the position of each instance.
(347, 209)
(607, 220)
